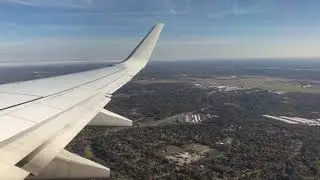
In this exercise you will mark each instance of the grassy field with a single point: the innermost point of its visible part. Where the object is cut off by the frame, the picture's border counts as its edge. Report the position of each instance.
(290, 88)
(267, 83)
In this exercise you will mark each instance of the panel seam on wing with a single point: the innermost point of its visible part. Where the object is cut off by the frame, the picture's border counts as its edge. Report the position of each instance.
(41, 97)
(23, 94)
(26, 102)
(21, 118)
(121, 69)
(111, 82)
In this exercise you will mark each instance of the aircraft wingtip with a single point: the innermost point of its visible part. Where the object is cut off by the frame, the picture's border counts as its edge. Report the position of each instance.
(159, 25)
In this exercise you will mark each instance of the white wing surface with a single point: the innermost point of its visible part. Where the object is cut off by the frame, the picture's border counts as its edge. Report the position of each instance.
(38, 118)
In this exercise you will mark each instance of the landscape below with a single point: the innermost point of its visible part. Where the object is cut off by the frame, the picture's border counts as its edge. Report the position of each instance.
(213, 120)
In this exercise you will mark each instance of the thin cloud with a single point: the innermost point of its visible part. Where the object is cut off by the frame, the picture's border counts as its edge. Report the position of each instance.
(173, 11)
(236, 10)
(53, 3)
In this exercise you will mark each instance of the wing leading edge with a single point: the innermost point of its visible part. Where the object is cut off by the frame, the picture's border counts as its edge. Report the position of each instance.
(39, 118)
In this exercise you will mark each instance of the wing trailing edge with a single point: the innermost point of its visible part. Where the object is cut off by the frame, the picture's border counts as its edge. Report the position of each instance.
(70, 166)
(108, 118)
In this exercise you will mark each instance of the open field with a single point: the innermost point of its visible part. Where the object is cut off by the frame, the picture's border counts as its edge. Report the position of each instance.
(247, 82)
(267, 83)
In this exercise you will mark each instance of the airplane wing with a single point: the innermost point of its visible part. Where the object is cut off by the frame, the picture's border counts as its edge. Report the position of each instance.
(38, 118)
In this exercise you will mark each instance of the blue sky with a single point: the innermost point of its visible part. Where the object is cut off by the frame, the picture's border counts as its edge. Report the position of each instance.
(97, 30)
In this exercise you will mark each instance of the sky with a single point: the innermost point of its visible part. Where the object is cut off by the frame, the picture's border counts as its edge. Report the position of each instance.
(103, 30)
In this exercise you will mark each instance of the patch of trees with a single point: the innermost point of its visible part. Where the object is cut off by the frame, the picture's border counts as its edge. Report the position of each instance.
(157, 101)
(261, 148)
